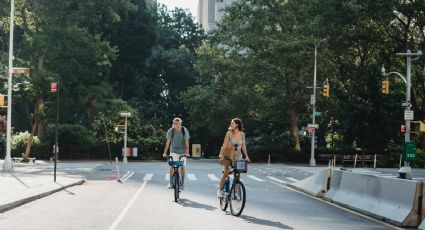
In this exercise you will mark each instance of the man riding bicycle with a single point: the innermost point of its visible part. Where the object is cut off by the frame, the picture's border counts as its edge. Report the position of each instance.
(178, 142)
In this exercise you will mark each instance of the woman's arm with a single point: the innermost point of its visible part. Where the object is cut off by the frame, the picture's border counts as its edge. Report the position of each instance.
(244, 148)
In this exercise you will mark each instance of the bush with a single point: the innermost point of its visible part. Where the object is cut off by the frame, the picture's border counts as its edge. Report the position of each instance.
(19, 143)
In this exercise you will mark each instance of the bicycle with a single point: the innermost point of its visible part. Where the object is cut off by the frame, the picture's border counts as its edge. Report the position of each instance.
(235, 195)
(176, 179)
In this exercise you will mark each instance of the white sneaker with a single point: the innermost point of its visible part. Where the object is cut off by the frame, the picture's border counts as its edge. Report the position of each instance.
(220, 193)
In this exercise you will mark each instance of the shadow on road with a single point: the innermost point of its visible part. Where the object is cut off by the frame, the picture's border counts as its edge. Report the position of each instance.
(193, 204)
(255, 220)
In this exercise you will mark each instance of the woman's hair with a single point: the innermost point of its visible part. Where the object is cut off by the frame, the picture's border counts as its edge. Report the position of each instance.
(239, 123)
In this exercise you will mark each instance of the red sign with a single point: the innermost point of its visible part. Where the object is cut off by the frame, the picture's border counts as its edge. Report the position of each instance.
(54, 87)
(311, 129)
(21, 71)
(402, 128)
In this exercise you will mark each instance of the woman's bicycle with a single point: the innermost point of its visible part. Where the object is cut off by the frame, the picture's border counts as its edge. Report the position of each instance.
(176, 180)
(234, 192)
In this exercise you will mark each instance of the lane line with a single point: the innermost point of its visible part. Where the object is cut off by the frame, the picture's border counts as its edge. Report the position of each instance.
(167, 176)
(278, 180)
(191, 176)
(148, 177)
(125, 210)
(123, 177)
(128, 177)
(213, 177)
(292, 179)
(255, 178)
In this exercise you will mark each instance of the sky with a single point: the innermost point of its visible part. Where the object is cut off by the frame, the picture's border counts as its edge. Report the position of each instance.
(192, 5)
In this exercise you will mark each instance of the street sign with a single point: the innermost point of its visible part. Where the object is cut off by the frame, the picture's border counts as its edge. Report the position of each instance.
(405, 104)
(402, 128)
(318, 114)
(20, 70)
(408, 115)
(125, 114)
(311, 129)
(312, 100)
(53, 87)
(409, 151)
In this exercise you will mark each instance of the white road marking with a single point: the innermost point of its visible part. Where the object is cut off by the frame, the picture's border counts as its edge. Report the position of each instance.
(123, 177)
(255, 178)
(148, 177)
(191, 176)
(167, 176)
(125, 210)
(213, 177)
(275, 179)
(128, 176)
(292, 179)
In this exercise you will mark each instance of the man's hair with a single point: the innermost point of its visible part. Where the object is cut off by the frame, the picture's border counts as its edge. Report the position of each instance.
(177, 119)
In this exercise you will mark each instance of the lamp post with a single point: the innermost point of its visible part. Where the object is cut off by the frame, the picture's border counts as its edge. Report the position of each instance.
(408, 83)
(313, 103)
(126, 115)
(7, 164)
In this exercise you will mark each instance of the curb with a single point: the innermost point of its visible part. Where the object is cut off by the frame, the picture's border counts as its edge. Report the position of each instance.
(14, 204)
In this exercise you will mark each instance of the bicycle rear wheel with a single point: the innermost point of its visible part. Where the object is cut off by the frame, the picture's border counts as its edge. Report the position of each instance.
(176, 186)
(223, 203)
(237, 198)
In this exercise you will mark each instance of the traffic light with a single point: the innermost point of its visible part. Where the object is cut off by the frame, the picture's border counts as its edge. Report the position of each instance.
(325, 90)
(417, 126)
(2, 100)
(386, 86)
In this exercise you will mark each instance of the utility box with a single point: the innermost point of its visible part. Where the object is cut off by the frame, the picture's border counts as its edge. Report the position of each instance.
(196, 150)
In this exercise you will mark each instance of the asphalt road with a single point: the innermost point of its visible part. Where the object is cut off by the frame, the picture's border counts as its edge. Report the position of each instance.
(142, 201)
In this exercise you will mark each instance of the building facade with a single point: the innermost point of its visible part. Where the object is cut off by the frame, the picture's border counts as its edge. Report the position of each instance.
(210, 12)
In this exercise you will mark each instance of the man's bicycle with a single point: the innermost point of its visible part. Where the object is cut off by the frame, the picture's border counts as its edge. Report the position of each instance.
(234, 192)
(176, 180)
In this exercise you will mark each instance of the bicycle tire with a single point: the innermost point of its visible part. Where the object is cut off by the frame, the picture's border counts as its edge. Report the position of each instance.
(176, 186)
(240, 197)
(223, 203)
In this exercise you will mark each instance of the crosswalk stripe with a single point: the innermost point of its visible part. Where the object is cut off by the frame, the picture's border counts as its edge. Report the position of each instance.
(275, 179)
(255, 178)
(191, 176)
(167, 176)
(292, 179)
(148, 177)
(213, 177)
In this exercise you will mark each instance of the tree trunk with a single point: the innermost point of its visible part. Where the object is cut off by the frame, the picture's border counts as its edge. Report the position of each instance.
(34, 128)
(90, 111)
(292, 117)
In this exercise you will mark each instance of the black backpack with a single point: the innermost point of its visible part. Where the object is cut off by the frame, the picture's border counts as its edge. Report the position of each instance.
(172, 133)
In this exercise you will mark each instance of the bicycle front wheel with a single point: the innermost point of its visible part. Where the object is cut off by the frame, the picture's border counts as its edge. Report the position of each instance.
(237, 198)
(223, 203)
(176, 186)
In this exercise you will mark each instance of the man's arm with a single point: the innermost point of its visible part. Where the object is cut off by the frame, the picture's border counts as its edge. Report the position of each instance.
(167, 145)
(186, 143)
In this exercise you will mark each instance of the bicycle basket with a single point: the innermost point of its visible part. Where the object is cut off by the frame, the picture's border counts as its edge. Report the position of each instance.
(175, 163)
(241, 166)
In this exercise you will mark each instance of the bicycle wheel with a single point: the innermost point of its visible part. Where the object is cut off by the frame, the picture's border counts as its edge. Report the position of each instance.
(237, 198)
(223, 203)
(176, 186)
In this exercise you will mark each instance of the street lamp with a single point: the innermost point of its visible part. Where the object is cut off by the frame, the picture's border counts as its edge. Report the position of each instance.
(7, 164)
(408, 110)
(313, 103)
(126, 115)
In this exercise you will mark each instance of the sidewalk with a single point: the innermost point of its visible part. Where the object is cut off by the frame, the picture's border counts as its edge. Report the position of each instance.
(18, 188)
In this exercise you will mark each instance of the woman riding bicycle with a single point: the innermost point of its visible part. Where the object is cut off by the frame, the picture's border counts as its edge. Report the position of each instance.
(234, 138)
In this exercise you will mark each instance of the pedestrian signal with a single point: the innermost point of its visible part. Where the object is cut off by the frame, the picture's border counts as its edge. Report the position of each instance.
(386, 86)
(417, 126)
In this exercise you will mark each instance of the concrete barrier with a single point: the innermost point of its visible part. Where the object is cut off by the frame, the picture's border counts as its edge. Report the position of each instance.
(390, 199)
(316, 185)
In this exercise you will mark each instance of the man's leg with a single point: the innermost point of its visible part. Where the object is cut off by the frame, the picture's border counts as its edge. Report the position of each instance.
(171, 176)
(183, 173)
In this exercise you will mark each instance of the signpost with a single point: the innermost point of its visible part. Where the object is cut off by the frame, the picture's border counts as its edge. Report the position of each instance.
(54, 88)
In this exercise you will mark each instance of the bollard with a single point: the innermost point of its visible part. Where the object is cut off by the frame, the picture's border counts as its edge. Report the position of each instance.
(399, 164)
(334, 161)
(118, 170)
(268, 162)
(355, 160)
(374, 161)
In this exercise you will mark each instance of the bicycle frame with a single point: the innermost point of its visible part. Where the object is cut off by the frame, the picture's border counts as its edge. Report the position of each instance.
(178, 185)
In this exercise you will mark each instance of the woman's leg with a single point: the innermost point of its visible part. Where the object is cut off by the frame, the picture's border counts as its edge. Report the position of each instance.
(223, 178)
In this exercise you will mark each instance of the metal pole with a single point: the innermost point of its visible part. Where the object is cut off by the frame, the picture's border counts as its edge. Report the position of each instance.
(312, 160)
(56, 135)
(408, 87)
(7, 164)
(125, 142)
